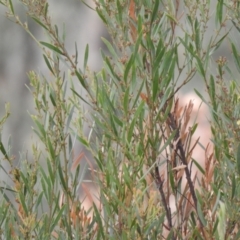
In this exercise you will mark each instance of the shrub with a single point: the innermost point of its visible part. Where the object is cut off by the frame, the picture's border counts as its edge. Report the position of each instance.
(141, 136)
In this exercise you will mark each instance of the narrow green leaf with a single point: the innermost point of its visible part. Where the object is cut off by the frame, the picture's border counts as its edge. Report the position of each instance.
(155, 11)
(193, 219)
(110, 47)
(48, 64)
(168, 141)
(109, 102)
(127, 69)
(88, 6)
(132, 125)
(99, 222)
(166, 113)
(172, 182)
(138, 94)
(23, 202)
(40, 128)
(52, 98)
(44, 188)
(171, 70)
(236, 57)
(7, 113)
(238, 159)
(76, 54)
(50, 171)
(46, 9)
(134, 78)
(233, 186)
(150, 44)
(83, 141)
(215, 225)
(7, 174)
(2, 149)
(171, 18)
(39, 22)
(218, 43)
(80, 97)
(70, 145)
(235, 25)
(160, 47)
(117, 120)
(137, 44)
(190, 20)
(44, 175)
(187, 47)
(197, 35)
(50, 149)
(56, 30)
(155, 86)
(80, 78)
(127, 177)
(11, 7)
(222, 216)
(199, 166)
(155, 225)
(167, 62)
(120, 10)
(111, 72)
(213, 92)
(212, 88)
(62, 180)
(139, 23)
(126, 101)
(69, 119)
(85, 57)
(57, 218)
(64, 32)
(200, 95)
(200, 66)
(64, 86)
(39, 199)
(4, 215)
(50, 46)
(158, 59)
(165, 97)
(219, 12)
(100, 14)
(113, 126)
(200, 214)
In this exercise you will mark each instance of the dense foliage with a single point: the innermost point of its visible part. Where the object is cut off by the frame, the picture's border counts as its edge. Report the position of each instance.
(148, 182)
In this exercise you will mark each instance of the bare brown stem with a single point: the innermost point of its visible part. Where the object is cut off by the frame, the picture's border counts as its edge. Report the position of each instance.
(180, 148)
(159, 183)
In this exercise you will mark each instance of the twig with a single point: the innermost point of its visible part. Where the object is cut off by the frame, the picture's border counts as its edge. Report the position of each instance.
(159, 183)
(179, 147)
